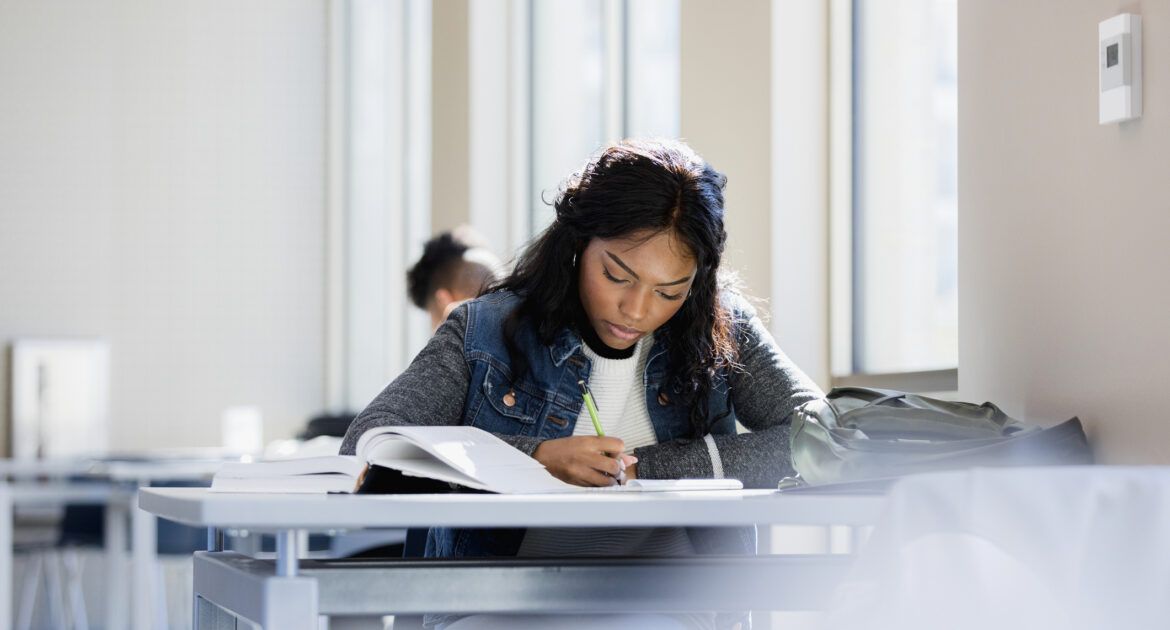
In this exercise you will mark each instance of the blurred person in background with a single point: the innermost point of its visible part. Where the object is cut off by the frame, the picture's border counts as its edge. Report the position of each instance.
(455, 267)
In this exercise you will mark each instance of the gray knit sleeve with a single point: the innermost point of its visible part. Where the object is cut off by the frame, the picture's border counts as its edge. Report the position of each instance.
(764, 393)
(431, 391)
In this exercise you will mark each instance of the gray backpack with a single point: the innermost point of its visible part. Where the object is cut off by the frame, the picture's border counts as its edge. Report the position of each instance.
(856, 434)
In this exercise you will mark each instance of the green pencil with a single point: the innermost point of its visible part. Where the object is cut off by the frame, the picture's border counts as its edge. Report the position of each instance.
(591, 406)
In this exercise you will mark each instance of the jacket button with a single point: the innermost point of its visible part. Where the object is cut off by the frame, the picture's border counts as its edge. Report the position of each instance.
(510, 399)
(663, 399)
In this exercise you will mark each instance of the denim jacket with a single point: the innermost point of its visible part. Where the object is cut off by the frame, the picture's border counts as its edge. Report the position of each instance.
(545, 404)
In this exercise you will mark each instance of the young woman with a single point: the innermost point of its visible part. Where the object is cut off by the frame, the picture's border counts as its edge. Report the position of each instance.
(623, 291)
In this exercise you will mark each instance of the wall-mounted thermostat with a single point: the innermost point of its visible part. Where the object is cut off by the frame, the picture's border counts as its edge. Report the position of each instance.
(1119, 66)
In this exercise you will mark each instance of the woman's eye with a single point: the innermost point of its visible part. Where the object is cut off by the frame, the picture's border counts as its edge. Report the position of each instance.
(670, 297)
(611, 277)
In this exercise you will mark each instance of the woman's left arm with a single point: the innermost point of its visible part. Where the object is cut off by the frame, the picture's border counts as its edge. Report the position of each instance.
(764, 394)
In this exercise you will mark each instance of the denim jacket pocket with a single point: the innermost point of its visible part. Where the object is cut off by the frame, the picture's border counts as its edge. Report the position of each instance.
(509, 410)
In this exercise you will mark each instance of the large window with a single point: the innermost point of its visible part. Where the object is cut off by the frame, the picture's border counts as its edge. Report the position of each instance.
(549, 83)
(568, 93)
(379, 190)
(601, 71)
(903, 188)
(652, 68)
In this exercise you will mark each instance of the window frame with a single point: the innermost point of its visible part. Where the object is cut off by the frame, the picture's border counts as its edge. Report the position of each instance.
(370, 337)
(616, 19)
(844, 209)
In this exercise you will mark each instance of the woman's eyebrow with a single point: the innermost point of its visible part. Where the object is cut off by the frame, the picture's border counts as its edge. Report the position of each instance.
(636, 276)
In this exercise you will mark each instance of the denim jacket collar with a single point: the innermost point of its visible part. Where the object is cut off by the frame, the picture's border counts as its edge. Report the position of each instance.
(568, 342)
(565, 345)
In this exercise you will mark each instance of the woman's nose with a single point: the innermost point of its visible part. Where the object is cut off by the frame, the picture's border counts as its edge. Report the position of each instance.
(633, 305)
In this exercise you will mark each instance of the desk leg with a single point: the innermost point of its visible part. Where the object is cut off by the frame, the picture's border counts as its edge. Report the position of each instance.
(287, 553)
(144, 558)
(117, 522)
(6, 519)
(245, 542)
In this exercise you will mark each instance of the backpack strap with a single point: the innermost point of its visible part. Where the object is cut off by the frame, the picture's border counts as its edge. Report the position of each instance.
(883, 399)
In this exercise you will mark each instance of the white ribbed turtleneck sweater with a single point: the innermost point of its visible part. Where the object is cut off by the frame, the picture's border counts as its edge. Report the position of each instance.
(616, 385)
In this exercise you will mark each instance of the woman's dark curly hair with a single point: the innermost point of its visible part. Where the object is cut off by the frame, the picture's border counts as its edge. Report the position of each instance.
(635, 187)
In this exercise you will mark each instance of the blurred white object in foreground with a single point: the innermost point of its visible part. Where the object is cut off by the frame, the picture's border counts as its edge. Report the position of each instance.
(1064, 547)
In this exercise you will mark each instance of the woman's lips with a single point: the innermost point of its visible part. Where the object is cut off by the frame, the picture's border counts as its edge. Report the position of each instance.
(621, 332)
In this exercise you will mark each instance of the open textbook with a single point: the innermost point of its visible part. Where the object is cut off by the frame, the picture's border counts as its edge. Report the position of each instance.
(414, 459)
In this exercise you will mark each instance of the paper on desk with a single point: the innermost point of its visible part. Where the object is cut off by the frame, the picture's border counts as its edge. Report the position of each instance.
(676, 485)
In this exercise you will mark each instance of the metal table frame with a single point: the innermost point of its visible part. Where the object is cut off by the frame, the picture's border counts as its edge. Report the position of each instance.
(288, 592)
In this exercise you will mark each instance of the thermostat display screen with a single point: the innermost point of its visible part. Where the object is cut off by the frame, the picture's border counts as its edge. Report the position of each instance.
(1111, 55)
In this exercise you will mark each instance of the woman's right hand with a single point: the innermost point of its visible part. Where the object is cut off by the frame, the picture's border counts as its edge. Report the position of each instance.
(584, 460)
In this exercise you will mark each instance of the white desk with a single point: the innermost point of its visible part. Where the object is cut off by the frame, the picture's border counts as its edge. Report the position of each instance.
(291, 593)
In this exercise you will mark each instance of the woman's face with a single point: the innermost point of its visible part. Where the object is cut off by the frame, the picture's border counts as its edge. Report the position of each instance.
(630, 286)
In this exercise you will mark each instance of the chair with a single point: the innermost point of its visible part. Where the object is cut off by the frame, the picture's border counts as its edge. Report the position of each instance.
(57, 565)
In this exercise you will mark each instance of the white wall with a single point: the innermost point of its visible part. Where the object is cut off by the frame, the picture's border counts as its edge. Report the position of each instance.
(161, 185)
(1063, 225)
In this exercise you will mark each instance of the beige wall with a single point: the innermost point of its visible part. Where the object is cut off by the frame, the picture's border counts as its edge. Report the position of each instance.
(450, 116)
(1064, 298)
(726, 117)
(161, 186)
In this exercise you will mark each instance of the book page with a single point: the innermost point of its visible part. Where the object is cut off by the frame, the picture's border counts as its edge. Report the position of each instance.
(391, 446)
(313, 484)
(518, 480)
(466, 449)
(343, 464)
